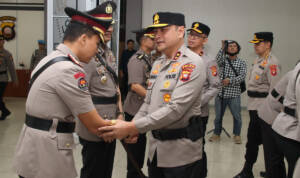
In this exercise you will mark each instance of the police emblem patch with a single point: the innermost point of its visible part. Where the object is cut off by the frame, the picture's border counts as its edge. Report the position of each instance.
(167, 98)
(187, 70)
(273, 70)
(214, 71)
(82, 84)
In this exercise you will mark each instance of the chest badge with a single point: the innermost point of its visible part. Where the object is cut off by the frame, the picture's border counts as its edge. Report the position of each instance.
(103, 79)
(257, 77)
(167, 84)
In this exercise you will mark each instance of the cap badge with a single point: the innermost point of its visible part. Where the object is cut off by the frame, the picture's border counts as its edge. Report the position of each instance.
(156, 19)
(196, 25)
(109, 9)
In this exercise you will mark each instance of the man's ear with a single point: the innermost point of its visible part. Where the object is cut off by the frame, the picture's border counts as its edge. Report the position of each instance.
(181, 31)
(82, 39)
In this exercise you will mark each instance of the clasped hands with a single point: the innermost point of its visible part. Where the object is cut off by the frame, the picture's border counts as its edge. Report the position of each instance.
(119, 129)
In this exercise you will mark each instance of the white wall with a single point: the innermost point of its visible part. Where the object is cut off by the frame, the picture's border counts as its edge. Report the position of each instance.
(238, 20)
(133, 18)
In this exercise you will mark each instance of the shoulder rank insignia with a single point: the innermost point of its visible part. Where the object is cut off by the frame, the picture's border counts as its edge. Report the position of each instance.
(74, 60)
(273, 70)
(178, 54)
(140, 56)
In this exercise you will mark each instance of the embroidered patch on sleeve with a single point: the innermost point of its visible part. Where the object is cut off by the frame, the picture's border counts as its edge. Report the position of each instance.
(214, 71)
(187, 70)
(82, 84)
(273, 70)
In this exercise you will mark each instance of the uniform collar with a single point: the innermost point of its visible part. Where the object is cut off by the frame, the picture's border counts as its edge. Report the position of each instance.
(67, 51)
(180, 52)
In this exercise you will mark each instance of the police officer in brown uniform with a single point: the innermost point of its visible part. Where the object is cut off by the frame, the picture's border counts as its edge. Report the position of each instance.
(6, 65)
(97, 155)
(287, 125)
(139, 68)
(197, 38)
(264, 74)
(171, 110)
(38, 54)
(267, 113)
(58, 94)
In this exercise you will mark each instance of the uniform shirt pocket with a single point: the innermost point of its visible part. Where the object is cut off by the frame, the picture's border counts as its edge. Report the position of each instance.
(65, 141)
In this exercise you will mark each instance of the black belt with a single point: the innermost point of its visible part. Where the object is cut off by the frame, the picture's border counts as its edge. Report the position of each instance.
(193, 131)
(256, 94)
(275, 94)
(43, 124)
(3, 72)
(290, 111)
(105, 100)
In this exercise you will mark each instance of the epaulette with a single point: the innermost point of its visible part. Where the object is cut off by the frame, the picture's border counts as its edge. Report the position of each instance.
(140, 56)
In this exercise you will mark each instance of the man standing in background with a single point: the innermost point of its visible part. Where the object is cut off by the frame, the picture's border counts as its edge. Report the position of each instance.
(6, 65)
(233, 71)
(38, 54)
(264, 74)
(139, 68)
(126, 55)
(197, 38)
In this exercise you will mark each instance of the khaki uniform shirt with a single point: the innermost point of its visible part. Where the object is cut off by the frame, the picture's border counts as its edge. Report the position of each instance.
(36, 57)
(284, 124)
(99, 87)
(211, 85)
(272, 106)
(173, 97)
(59, 93)
(7, 64)
(264, 74)
(138, 73)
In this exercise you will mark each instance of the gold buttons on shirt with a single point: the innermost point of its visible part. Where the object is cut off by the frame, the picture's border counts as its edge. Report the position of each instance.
(68, 145)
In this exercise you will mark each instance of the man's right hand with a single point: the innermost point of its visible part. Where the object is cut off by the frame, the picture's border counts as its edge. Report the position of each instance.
(118, 130)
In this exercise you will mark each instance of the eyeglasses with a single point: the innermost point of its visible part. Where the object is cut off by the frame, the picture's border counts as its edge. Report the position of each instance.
(196, 35)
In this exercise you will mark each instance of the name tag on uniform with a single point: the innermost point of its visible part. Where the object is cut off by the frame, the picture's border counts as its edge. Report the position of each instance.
(171, 76)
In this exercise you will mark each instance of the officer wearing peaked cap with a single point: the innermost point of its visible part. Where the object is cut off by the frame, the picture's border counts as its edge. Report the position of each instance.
(97, 155)
(139, 68)
(197, 38)
(287, 124)
(171, 110)
(58, 90)
(264, 74)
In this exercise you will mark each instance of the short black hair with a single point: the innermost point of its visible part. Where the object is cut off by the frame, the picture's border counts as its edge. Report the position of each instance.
(130, 40)
(75, 29)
